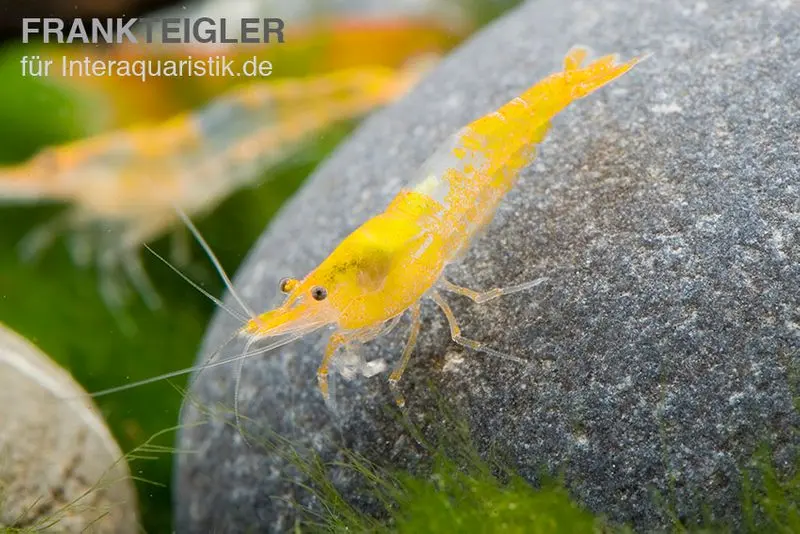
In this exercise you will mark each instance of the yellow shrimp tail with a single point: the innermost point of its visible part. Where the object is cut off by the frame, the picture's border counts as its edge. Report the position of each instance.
(540, 103)
(548, 97)
(575, 57)
(581, 81)
(527, 116)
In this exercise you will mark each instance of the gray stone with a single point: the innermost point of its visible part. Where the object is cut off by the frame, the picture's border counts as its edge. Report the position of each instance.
(665, 210)
(60, 468)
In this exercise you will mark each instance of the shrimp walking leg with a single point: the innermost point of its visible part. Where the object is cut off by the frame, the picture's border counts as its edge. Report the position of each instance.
(113, 290)
(337, 340)
(80, 248)
(408, 350)
(455, 332)
(180, 249)
(132, 263)
(484, 296)
(112, 287)
(239, 368)
(125, 248)
(42, 237)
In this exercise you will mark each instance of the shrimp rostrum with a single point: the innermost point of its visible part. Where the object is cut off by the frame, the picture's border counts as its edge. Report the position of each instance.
(386, 266)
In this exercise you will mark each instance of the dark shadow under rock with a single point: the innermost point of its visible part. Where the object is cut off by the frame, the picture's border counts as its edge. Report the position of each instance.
(665, 211)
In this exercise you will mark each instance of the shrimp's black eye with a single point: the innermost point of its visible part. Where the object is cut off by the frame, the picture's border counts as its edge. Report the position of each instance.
(287, 284)
(318, 293)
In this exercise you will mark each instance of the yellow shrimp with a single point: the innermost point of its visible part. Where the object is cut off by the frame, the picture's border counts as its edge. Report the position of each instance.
(128, 182)
(388, 264)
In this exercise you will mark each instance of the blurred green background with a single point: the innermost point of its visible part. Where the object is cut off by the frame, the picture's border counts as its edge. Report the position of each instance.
(57, 305)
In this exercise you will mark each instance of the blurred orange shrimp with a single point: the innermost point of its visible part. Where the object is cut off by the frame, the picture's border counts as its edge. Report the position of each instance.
(124, 186)
(312, 46)
(386, 266)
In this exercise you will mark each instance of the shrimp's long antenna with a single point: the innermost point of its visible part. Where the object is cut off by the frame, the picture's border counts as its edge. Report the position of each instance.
(203, 367)
(236, 413)
(211, 256)
(239, 317)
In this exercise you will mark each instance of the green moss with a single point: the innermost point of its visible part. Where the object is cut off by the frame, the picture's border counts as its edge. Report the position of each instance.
(458, 490)
(472, 497)
(771, 502)
(456, 500)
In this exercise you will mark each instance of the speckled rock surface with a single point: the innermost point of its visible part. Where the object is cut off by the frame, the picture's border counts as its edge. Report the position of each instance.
(665, 211)
(60, 467)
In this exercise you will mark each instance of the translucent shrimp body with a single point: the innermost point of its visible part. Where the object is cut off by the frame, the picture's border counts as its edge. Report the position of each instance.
(128, 182)
(393, 260)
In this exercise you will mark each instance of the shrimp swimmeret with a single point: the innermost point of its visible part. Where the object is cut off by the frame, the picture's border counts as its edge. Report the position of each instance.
(388, 264)
(124, 185)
